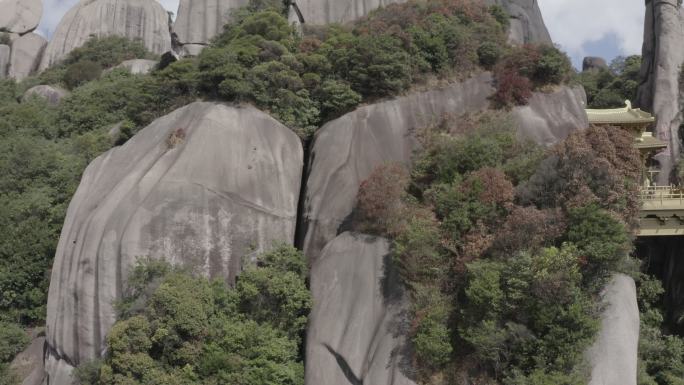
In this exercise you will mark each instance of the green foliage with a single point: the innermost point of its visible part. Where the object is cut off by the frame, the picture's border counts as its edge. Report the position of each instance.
(179, 329)
(13, 339)
(610, 88)
(81, 72)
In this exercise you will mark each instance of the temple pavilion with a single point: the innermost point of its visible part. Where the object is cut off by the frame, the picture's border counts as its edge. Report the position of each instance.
(662, 210)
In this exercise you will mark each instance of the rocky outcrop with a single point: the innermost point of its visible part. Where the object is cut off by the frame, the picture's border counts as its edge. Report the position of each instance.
(613, 358)
(593, 63)
(52, 94)
(551, 117)
(135, 19)
(199, 21)
(138, 66)
(207, 186)
(660, 92)
(346, 150)
(28, 365)
(27, 52)
(20, 16)
(527, 24)
(5, 54)
(357, 326)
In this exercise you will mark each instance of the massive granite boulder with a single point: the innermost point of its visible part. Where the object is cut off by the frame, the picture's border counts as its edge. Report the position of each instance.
(20, 16)
(348, 149)
(550, 117)
(594, 63)
(357, 327)
(26, 54)
(199, 21)
(660, 92)
(5, 54)
(207, 186)
(135, 19)
(614, 356)
(527, 24)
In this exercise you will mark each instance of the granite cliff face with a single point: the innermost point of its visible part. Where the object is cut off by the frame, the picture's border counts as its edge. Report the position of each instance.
(205, 187)
(358, 326)
(27, 52)
(199, 21)
(346, 150)
(135, 19)
(660, 92)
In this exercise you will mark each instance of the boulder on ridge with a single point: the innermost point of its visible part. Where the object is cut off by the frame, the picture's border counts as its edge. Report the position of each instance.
(207, 186)
(594, 63)
(20, 16)
(52, 94)
(358, 325)
(145, 20)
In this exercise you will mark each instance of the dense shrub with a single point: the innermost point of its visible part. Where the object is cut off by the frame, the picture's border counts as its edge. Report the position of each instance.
(81, 72)
(179, 329)
(380, 207)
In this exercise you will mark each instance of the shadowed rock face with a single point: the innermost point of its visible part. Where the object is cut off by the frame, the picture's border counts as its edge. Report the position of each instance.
(20, 16)
(205, 187)
(199, 21)
(135, 19)
(357, 326)
(4, 60)
(26, 54)
(660, 93)
(613, 358)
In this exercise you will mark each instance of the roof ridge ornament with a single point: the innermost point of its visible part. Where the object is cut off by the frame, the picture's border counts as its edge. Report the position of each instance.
(628, 104)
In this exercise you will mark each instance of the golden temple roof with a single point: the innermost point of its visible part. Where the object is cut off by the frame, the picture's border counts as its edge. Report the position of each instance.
(620, 116)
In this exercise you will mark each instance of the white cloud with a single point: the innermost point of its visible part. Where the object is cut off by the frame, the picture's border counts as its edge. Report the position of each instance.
(574, 23)
(54, 10)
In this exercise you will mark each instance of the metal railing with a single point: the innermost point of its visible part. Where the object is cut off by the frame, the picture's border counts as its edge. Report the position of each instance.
(662, 194)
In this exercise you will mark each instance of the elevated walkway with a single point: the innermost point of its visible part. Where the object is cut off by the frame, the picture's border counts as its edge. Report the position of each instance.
(662, 211)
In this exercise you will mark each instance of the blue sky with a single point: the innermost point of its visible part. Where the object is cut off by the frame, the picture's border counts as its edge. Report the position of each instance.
(606, 28)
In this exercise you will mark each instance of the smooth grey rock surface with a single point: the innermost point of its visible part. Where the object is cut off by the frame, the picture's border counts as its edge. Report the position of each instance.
(52, 94)
(594, 63)
(199, 21)
(5, 55)
(348, 149)
(222, 194)
(27, 52)
(20, 16)
(660, 93)
(135, 19)
(614, 356)
(138, 66)
(550, 117)
(28, 365)
(357, 327)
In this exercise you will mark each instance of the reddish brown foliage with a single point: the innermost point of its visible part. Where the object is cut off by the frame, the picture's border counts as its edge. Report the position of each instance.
(597, 165)
(492, 187)
(512, 89)
(380, 199)
(528, 228)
